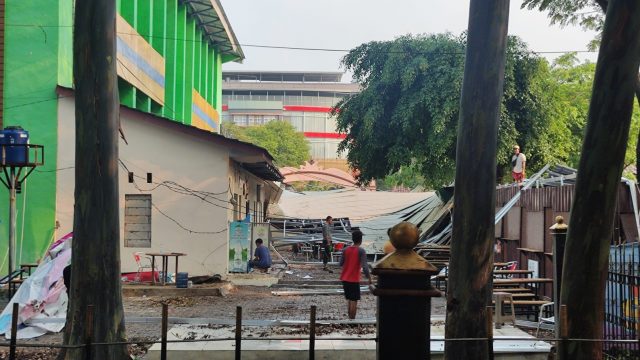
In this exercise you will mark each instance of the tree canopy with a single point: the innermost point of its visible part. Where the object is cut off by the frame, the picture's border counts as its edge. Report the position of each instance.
(572, 92)
(590, 14)
(586, 13)
(407, 111)
(287, 146)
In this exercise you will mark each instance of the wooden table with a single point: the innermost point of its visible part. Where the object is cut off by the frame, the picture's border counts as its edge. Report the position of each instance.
(28, 267)
(165, 264)
(527, 273)
(495, 264)
(521, 281)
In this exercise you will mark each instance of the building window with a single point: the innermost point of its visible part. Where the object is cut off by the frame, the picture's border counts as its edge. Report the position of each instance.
(137, 220)
(255, 212)
(234, 202)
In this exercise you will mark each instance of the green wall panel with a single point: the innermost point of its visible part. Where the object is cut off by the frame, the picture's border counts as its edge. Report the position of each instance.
(65, 43)
(30, 100)
(170, 60)
(189, 67)
(217, 80)
(39, 57)
(190, 61)
(180, 65)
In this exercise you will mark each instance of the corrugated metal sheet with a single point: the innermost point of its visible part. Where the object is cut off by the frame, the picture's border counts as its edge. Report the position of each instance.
(559, 198)
(536, 199)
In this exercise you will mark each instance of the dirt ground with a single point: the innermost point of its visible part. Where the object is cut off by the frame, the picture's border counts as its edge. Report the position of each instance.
(257, 303)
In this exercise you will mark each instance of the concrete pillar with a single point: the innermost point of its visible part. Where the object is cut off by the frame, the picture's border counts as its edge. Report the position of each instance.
(404, 294)
(559, 233)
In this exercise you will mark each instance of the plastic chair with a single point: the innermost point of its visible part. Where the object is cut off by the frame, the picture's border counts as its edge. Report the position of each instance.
(138, 258)
(500, 318)
(545, 320)
(307, 250)
(335, 256)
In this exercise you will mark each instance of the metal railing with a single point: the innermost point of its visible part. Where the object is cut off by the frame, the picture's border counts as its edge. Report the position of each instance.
(622, 301)
(89, 345)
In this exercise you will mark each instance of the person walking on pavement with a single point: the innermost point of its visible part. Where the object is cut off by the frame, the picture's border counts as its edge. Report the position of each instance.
(327, 239)
(353, 259)
(518, 165)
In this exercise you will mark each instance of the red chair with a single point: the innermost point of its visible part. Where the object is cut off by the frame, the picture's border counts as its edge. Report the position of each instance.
(137, 256)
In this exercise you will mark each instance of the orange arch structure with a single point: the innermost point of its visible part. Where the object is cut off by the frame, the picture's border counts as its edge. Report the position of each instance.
(313, 172)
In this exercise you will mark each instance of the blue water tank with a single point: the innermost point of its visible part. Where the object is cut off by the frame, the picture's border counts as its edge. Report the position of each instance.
(15, 135)
(182, 280)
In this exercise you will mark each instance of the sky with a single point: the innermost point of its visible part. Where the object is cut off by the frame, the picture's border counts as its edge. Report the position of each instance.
(344, 24)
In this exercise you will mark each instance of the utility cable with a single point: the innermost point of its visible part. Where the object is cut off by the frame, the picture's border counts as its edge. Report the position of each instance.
(295, 48)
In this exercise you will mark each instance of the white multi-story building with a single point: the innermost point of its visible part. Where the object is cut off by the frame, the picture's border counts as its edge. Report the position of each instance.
(303, 99)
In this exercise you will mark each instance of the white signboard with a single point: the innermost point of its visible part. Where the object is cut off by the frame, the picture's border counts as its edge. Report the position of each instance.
(532, 265)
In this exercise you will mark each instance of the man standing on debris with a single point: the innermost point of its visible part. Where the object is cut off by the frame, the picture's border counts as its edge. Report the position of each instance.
(353, 259)
(262, 258)
(326, 242)
(518, 165)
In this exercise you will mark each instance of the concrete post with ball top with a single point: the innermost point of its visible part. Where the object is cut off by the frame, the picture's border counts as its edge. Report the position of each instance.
(404, 294)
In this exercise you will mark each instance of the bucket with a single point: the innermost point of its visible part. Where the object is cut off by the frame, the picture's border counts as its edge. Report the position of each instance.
(14, 135)
(182, 280)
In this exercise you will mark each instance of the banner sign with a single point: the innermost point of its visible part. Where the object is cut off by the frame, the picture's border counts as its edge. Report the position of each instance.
(239, 246)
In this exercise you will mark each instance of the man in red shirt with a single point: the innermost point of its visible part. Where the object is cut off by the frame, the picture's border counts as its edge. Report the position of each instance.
(353, 259)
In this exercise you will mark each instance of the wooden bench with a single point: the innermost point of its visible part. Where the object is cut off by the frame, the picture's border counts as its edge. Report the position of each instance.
(522, 296)
(14, 284)
(531, 307)
(513, 290)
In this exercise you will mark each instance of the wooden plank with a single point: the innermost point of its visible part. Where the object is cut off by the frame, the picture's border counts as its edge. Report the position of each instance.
(511, 290)
(512, 272)
(526, 302)
(523, 296)
(521, 281)
(530, 250)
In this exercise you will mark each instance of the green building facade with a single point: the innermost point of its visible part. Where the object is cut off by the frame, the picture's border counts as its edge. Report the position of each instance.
(170, 54)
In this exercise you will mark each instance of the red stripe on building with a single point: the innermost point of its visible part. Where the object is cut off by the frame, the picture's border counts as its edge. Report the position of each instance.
(322, 135)
(322, 109)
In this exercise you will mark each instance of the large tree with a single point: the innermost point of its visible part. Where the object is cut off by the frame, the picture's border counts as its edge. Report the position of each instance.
(95, 275)
(590, 15)
(599, 170)
(572, 82)
(407, 111)
(287, 146)
(473, 233)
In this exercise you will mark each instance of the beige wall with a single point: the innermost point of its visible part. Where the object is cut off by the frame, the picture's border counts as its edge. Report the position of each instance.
(171, 156)
(512, 226)
(535, 230)
(245, 184)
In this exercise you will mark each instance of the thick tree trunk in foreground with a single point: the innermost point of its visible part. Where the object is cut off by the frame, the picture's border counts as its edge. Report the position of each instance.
(599, 171)
(637, 164)
(474, 202)
(95, 276)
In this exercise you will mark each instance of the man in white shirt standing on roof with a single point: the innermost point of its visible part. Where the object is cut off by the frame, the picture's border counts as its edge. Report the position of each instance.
(518, 165)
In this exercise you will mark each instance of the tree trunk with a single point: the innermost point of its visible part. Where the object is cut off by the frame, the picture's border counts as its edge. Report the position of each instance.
(95, 272)
(599, 171)
(638, 143)
(474, 201)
